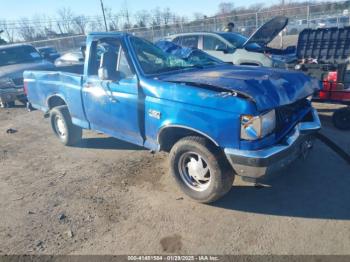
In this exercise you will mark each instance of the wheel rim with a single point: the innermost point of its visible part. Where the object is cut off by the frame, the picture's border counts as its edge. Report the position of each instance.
(194, 171)
(60, 126)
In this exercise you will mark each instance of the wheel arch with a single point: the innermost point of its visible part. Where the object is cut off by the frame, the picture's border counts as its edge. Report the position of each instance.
(168, 135)
(55, 100)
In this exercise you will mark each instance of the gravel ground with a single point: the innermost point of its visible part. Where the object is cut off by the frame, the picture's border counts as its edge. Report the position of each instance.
(105, 196)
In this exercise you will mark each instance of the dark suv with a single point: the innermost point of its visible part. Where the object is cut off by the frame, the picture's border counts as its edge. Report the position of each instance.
(14, 60)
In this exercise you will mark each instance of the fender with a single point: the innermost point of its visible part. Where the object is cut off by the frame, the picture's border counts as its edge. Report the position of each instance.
(53, 95)
(185, 127)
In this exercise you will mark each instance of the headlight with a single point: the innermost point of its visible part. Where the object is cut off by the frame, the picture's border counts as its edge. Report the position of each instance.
(6, 83)
(256, 127)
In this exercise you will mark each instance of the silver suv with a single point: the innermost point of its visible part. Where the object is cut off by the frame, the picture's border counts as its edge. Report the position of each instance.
(236, 48)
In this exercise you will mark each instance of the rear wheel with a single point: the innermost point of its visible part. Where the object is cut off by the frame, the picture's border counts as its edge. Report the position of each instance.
(341, 119)
(200, 169)
(62, 125)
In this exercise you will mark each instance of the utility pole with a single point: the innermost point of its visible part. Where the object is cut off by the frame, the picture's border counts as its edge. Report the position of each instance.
(283, 12)
(104, 15)
(308, 14)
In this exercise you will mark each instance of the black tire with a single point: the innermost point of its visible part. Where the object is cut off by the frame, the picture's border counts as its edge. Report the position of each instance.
(62, 126)
(220, 174)
(341, 119)
(29, 107)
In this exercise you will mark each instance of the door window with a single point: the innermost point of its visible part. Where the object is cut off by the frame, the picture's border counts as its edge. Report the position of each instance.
(109, 53)
(123, 65)
(190, 41)
(211, 43)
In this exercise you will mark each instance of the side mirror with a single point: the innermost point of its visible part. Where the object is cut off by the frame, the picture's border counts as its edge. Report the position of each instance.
(103, 73)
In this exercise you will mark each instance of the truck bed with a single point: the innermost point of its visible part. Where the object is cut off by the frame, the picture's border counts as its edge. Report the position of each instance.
(42, 85)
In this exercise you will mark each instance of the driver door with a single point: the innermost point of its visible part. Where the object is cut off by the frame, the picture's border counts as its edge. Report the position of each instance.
(112, 105)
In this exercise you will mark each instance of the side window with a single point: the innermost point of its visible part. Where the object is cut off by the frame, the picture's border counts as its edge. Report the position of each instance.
(123, 65)
(108, 53)
(210, 43)
(96, 52)
(190, 41)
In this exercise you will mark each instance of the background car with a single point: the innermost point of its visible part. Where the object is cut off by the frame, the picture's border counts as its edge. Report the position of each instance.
(72, 62)
(71, 58)
(236, 48)
(49, 53)
(14, 60)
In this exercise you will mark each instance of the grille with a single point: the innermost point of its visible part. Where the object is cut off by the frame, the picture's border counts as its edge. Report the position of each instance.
(286, 115)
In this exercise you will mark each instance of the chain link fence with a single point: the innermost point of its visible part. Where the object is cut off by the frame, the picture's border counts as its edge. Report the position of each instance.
(309, 16)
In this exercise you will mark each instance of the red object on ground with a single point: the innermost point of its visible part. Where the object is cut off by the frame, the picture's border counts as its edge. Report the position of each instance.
(332, 90)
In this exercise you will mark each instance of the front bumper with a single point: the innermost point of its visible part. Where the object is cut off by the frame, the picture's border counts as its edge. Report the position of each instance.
(259, 163)
(11, 94)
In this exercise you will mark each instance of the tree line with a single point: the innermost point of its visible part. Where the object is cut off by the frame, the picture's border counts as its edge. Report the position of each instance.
(67, 23)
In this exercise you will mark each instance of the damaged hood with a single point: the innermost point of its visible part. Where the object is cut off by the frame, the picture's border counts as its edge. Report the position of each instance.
(268, 31)
(16, 70)
(268, 88)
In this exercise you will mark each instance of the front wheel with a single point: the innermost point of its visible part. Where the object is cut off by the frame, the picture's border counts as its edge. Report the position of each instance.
(62, 126)
(200, 169)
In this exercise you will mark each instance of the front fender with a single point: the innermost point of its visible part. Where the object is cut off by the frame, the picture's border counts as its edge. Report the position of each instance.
(169, 126)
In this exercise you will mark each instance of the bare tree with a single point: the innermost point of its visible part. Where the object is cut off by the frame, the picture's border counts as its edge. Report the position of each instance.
(198, 16)
(142, 18)
(97, 24)
(256, 7)
(8, 31)
(80, 23)
(225, 8)
(125, 14)
(39, 22)
(49, 28)
(65, 16)
(112, 19)
(156, 15)
(166, 15)
(26, 30)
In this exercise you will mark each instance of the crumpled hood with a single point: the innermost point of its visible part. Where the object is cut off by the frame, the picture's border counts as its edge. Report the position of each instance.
(16, 70)
(268, 88)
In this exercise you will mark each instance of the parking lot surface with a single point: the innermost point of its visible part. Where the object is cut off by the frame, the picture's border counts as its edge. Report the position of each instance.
(105, 196)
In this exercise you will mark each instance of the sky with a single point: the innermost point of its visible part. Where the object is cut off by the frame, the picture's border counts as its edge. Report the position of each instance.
(15, 9)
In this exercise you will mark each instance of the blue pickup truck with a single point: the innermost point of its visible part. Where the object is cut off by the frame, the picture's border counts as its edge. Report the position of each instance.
(216, 120)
